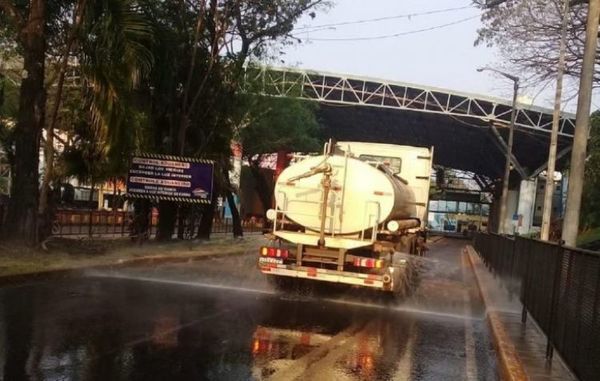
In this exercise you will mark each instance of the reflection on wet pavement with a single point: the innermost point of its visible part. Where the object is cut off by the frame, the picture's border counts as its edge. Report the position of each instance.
(218, 319)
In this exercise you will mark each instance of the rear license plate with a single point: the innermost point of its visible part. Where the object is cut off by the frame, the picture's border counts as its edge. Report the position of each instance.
(277, 261)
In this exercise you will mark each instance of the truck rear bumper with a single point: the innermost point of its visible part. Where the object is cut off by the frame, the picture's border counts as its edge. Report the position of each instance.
(356, 279)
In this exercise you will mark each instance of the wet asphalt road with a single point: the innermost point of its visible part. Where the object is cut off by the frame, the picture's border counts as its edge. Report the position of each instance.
(218, 319)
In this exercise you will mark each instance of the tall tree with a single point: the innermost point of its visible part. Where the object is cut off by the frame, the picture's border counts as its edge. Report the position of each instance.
(590, 213)
(63, 63)
(201, 50)
(30, 27)
(111, 55)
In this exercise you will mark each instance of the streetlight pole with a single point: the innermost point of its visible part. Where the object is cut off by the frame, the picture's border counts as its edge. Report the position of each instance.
(549, 190)
(513, 117)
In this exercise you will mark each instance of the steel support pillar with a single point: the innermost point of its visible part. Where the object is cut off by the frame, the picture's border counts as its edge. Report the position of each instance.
(525, 209)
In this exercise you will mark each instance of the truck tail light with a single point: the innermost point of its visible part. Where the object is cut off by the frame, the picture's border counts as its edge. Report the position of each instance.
(368, 262)
(274, 252)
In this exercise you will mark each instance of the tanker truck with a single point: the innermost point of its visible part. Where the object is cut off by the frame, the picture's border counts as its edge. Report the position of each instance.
(355, 215)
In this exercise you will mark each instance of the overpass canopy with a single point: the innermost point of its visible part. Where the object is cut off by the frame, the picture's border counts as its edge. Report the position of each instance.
(467, 131)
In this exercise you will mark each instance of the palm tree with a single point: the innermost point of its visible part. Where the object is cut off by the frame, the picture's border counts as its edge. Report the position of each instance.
(112, 50)
(109, 42)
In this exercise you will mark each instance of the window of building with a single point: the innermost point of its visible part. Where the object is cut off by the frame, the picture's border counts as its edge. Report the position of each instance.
(451, 206)
(485, 209)
(434, 206)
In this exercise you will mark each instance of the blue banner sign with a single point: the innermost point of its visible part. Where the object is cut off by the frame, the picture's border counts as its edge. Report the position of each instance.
(172, 178)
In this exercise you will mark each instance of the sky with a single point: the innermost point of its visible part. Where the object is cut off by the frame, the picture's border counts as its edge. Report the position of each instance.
(444, 57)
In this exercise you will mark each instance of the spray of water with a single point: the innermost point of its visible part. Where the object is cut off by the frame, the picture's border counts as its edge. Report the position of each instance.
(292, 297)
(434, 295)
(183, 283)
(401, 308)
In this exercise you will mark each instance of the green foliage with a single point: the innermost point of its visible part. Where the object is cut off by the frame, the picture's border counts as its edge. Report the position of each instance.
(9, 97)
(115, 57)
(274, 124)
(8, 108)
(84, 157)
(199, 53)
(590, 210)
(590, 237)
(159, 76)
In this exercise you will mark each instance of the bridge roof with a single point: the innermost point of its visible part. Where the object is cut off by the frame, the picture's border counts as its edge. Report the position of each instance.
(467, 131)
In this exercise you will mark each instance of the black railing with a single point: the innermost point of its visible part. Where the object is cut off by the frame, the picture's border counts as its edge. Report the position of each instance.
(559, 288)
(499, 253)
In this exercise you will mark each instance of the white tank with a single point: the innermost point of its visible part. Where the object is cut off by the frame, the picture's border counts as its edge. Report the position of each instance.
(361, 195)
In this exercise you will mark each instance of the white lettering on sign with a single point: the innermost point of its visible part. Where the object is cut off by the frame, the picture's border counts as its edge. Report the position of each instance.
(168, 183)
(161, 163)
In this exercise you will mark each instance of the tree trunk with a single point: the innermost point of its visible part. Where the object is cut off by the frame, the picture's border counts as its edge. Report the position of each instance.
(48, 170)
(21, 222)
(49, 147)
(208, 215)
(141, 220)
(114, 198)
(182, 213)
(167, 215)
(238, 231)
(262, 188)
(114, 203)
(90, 200)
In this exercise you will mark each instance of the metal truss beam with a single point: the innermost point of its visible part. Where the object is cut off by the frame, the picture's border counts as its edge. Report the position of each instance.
(344, 90)
(483, 182)
(501, 144)
(559, 156)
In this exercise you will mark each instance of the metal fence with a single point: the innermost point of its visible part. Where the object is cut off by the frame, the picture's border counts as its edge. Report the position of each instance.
(559, 288)
(101, 223)
(499, 253)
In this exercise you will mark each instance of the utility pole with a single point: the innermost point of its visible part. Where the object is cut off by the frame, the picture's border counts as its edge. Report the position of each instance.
(513, 117)
(549, 190)
(582, 121)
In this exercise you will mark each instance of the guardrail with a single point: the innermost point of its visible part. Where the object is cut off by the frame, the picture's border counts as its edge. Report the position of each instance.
(560, 288)
(120, 224)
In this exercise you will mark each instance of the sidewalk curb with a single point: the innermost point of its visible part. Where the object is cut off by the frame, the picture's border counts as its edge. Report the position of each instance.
(511, 367)
(13, 279)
